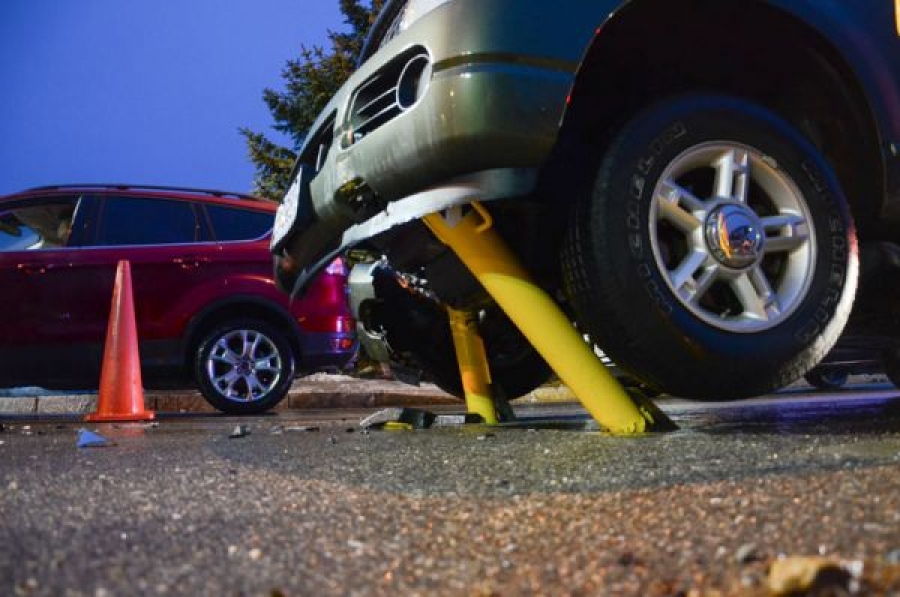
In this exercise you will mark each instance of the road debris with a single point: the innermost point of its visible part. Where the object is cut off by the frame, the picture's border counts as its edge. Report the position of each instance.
(137, 425)
(414, 417)
(746, 554)
(89, 439)
(458, 419)
(305, 428)
(239, 431)
(814, 575)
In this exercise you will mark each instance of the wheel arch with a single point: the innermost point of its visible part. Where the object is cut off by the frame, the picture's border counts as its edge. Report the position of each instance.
(665, 43)
(239, 307)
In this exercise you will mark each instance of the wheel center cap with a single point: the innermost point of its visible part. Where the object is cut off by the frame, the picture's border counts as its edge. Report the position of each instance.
(244, 367)
(734, 236)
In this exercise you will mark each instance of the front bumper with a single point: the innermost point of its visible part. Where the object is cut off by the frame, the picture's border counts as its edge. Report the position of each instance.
(480, 129)
(322, 240)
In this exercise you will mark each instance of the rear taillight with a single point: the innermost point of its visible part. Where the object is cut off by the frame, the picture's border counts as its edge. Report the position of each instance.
(342, 343)
(337, 268)
(344, 324)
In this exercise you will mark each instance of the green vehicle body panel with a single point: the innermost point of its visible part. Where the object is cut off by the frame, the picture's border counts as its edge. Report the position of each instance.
(502, 74)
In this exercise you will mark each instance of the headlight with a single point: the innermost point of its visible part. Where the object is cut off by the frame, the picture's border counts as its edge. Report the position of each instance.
(295, 210)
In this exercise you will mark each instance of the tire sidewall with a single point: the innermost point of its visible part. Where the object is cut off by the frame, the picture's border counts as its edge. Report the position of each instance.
(268, 400)
(620, 210)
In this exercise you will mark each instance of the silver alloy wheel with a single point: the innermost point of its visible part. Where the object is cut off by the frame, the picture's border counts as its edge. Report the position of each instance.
(244, 365)
(733, 237)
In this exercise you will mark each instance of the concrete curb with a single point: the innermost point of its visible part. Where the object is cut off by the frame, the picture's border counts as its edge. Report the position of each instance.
(317, 391)
(312, 392)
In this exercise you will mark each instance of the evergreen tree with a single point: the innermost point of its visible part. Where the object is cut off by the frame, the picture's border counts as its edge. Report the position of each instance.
(310, 81)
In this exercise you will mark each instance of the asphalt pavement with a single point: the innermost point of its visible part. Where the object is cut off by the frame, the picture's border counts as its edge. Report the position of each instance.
(306, 502)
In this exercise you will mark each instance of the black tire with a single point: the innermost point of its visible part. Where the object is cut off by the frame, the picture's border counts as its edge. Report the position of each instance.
(244, 367)
(825, 378)
(624, 243)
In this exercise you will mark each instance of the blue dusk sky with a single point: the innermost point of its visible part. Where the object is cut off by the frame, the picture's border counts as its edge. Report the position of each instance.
(144, 91)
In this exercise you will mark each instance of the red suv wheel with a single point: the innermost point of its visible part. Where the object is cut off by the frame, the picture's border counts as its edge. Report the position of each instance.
(244, 367)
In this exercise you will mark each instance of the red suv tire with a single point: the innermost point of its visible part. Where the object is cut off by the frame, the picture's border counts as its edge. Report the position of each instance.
(244, 367)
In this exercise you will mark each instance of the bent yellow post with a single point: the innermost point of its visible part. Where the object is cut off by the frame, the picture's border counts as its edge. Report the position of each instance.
(473, 365)
(470, 235)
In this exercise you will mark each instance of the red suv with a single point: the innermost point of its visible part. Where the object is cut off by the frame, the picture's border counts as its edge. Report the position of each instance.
(206, 305)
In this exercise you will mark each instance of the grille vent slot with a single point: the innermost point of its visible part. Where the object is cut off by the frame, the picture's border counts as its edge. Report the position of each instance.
(324, 141)
(316, 151)
(386, 94)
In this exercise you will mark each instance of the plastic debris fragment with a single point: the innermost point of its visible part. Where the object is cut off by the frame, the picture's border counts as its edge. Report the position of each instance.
(239, 431)
(89, 439)
(458, 419)
(414, 417)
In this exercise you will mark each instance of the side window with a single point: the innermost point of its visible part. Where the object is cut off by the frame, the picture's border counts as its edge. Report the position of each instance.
(37, 225)
(230, 223)
(141, 221)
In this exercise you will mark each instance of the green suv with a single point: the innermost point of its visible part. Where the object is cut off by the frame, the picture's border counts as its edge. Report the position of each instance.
(693, 180)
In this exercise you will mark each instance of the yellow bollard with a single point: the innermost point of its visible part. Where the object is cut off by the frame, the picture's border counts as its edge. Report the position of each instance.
(482, 250)
(473, 365)
(897, 15)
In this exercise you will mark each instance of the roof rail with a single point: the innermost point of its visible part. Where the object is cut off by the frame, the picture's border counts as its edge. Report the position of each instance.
(146, 187)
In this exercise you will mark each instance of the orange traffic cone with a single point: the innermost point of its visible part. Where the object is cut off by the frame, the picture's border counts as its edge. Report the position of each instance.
(121, 395)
